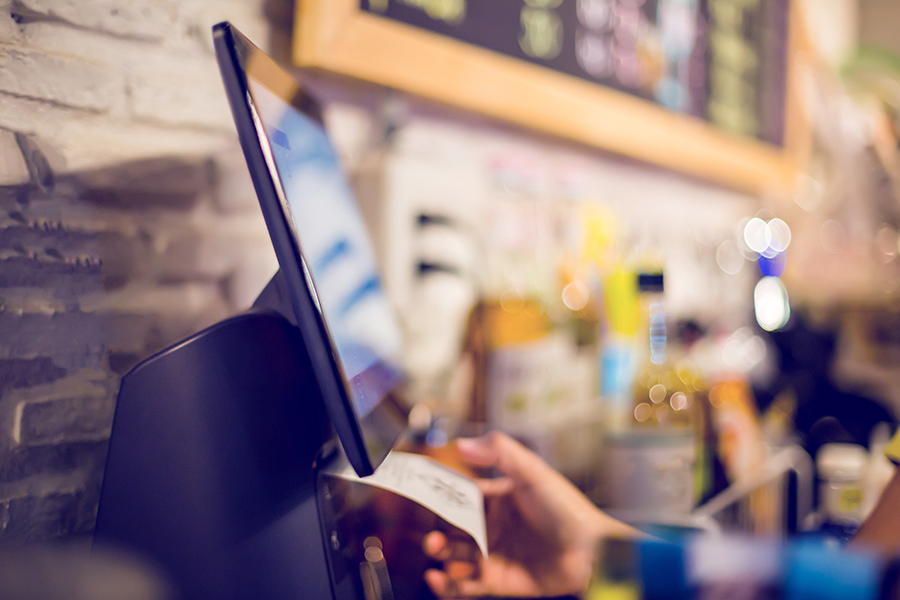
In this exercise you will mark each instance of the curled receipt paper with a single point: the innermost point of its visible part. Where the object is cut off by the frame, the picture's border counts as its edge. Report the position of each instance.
(447, 493)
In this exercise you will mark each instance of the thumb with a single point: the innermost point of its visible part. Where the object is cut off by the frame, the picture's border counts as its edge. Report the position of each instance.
(478, 451)
(501, 451)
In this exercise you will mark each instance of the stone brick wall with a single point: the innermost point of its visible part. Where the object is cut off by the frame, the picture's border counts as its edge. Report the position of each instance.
(127, 221)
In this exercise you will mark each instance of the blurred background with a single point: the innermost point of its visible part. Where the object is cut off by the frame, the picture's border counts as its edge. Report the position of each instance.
(681, 348)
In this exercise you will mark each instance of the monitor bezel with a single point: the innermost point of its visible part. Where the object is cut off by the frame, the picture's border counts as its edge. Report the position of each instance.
(384, 422)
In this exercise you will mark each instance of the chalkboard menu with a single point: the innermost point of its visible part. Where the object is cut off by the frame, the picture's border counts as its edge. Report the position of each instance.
(724, 61)
(708, 88)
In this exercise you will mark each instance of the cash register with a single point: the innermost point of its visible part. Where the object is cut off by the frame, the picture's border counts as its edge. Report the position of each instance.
(217, 461)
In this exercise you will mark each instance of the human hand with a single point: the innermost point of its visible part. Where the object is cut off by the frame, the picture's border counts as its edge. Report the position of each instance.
(542, 531)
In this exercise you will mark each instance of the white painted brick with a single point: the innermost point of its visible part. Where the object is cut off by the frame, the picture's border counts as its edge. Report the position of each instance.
(26, 115)
(13, 170)
(247, 228)
(185, 92)
(140, 19)
(88, 142)
(55, 161)
(57, 79)
(252, 275)
(192, 255)
(115, 54)
(40, 485)
(169, 300)
(195, 19)
(32, 301)
(207, 245)
(59, 38)
(85, 383)
(234, 191)
(10, 33)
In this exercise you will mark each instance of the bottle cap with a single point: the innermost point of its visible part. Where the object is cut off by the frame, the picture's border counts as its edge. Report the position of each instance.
(651, 282)
(841, 461)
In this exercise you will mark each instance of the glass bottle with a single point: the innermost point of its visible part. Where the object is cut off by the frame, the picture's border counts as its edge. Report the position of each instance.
(667, 382)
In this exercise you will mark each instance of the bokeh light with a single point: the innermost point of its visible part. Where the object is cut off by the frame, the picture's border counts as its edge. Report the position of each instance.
(886, 241)
(757, 235)
(642, 412)
(772, 266)
(576, 295)
(779, 235)
(770, 300)
(744, 350)
(729, 257)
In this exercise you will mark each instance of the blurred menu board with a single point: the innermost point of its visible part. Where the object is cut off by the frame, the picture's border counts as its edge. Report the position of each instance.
(724, 61)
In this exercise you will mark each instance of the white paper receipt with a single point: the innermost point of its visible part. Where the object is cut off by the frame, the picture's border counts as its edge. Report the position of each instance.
(448, 494)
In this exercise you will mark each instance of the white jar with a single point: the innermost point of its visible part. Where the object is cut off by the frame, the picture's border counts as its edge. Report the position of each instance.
(841, 469)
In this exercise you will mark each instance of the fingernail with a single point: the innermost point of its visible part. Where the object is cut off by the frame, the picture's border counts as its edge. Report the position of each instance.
(470, 444)
(436, 580)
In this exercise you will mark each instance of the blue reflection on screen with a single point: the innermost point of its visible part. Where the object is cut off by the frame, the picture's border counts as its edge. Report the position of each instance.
(335, 243)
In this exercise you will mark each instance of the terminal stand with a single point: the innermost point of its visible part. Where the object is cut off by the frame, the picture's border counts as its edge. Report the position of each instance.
(213, 458)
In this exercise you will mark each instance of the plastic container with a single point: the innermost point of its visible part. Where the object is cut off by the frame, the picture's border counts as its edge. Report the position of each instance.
(841, 470)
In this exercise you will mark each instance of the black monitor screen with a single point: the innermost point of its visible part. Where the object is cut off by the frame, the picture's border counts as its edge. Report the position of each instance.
(327, 261)
(335, 243)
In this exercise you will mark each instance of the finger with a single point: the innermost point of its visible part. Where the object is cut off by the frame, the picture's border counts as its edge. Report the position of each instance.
(434, 544)
(437, 581)
(461, 569)
(438, 546)
(444, 587)
(498, 450)
(478, 451)
(495, 487)
(440, 583)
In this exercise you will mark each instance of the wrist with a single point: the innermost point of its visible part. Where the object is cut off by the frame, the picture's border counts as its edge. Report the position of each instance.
(604, 526)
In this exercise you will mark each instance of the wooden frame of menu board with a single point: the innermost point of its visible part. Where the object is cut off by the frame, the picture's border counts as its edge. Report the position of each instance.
(338, 36)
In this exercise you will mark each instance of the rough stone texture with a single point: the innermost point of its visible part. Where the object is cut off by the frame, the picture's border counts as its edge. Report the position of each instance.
(168, 182)
(4, 516)
(196, 18)
(66, 419)
(143, 20)
(244, 285)
(26, 115)
(183, 92)
(98, 270)
(88, 140)
(233, 187)
(27, 461)
(48, 241)
(127, 222)
(62, 80)
(56, 37)
(32, 270)
(10, 32)
(28, 372)
(13, 170)
(72, 339)
(51, 516)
